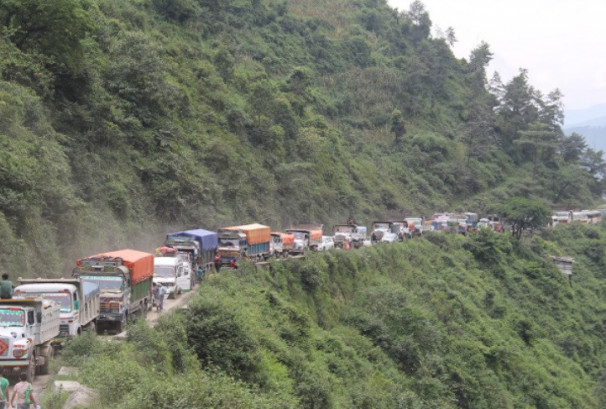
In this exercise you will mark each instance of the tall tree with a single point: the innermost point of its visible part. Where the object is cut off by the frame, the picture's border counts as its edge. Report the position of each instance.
(523, 213)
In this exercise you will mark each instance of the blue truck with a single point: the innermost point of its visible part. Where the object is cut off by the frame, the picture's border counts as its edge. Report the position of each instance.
(200, 244)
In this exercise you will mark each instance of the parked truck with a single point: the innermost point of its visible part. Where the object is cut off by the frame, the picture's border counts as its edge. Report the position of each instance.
(349, 233)
(78, 302)
(281, 244)
(125, 279)
(201, 244)
(28, 327)
(307, 237)
(250, 241)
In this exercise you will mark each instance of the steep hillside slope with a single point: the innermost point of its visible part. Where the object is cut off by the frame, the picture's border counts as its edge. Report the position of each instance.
(442, 322)
(202, 113)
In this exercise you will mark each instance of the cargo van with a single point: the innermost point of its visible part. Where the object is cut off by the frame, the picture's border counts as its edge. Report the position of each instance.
(174, 273)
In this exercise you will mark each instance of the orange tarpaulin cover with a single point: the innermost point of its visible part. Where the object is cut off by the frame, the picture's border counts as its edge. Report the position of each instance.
(255, 233)
(140, 264)
(287, 238)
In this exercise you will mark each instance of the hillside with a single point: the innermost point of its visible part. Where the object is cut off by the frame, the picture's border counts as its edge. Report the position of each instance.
(148, 115)
(446, 321)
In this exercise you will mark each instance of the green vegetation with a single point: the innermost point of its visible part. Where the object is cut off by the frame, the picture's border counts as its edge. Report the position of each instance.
(119, 118)
(446, 321)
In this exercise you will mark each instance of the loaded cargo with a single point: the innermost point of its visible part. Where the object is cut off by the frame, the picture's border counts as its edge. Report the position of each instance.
(307, 237)
(125, 280)
(250, 241)
(199, 243)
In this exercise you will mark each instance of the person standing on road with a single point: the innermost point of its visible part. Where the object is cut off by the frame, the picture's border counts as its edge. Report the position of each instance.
(4, 383)
(6, 287)
(24, 392)
(161, 293)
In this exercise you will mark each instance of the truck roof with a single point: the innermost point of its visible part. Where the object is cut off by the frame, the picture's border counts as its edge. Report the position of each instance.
(140, 264)
(167, 261)
(45, 287)
(207, 240)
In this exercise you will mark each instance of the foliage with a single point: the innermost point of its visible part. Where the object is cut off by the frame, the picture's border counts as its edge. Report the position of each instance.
(206, 113)
(482, 321)
(523, 214)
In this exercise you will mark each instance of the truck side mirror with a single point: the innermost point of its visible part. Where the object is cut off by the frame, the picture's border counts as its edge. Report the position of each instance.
(30, 318)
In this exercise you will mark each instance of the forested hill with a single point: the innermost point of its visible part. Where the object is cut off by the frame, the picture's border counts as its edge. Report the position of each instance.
(119, 118)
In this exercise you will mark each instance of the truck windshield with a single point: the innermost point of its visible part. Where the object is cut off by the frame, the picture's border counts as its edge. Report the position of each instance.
(105, 283)
(164, 271)
(230, 243)
(63, 299)
(12, 317)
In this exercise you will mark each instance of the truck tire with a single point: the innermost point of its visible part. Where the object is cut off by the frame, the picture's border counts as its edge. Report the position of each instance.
(44, 368)
(92, 327)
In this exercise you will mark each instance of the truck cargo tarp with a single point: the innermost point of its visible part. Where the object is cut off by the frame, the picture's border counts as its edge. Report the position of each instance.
(208, 240)
(255, 233)
(287, 238)
(140, 264)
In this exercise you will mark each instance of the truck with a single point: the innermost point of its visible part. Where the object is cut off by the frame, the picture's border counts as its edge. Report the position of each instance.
(125, 280)
(173, 273)
(384, 231)
(78, 302)
(281, 244)
(307, 237)
(28, 327)
(249, 241)
(199, 243)
(350, 233)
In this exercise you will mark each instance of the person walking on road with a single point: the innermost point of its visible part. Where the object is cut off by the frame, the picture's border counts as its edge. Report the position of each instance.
(4, 383)
(6, 287)
(24, 392)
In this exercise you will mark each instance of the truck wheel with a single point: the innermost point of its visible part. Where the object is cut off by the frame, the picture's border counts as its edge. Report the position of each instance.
(44, 368)
(92, 327)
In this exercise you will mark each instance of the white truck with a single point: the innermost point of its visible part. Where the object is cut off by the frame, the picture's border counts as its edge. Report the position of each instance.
(78, 301)
(174, 273)
(28, 327)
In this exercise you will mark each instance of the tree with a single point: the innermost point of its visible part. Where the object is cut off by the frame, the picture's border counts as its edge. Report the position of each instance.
(572, 147)
(53, 28)
(397, 124)
(523, 214)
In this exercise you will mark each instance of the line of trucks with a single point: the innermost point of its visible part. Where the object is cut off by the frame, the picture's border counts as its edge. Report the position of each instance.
(107, 289)
(103, 293)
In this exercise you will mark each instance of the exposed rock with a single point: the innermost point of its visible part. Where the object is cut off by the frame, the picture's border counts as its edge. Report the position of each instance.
(82, 397)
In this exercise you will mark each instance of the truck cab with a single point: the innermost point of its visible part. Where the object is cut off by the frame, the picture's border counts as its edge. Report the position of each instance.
(174, 273)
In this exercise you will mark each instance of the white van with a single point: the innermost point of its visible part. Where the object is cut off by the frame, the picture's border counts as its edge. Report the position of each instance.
(174, 273)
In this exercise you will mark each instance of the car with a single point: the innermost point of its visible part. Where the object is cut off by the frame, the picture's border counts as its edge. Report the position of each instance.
(326, 244)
